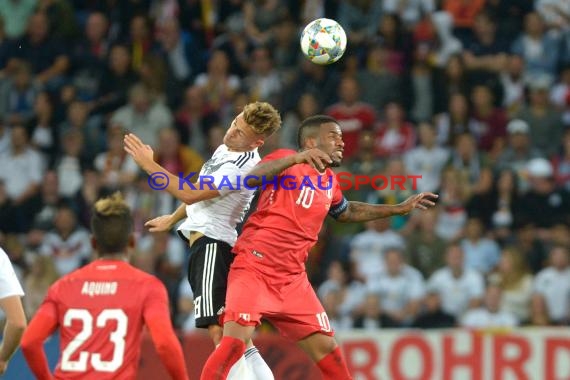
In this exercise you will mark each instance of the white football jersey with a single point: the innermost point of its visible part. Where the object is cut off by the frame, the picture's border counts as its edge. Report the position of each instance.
(217, 218)
(9, 284)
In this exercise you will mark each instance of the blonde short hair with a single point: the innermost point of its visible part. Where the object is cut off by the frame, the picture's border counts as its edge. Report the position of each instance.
(263, 118)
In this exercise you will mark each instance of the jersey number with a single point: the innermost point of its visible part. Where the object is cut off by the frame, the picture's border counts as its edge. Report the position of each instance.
(324, 322)
(117, 337)
(306, 197)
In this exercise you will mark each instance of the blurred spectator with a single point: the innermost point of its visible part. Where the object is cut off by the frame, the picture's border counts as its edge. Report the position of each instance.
(544, 120)
(307, 106)
(427, 160)
(70, 164)
(459, 287)
(561, 163)
(263, 82)
(353, 115)
(421, 85)
(44, 132)
(447, 44)
(46, 54)
(513, 82)
(518, 152)
(490, 129)
(78, 120)
(539, 49)
(560, 94)
(551, 295)
(400, 288)
(463, 13)
(473, 165)
(186, 317)
(143, 116)
(491, 315)
(4, 138)
(219, 85)
(397, 42)
(236, 47)
(118, 79)
(351, 291)
(454, 121)
(544, 204)
(331, 302)
(452, 213)
(432, 315)
(410, 12)
(115, 167)
(15, 16)
(424, 249)
(481, 253)
(140, 40)
(501, 205)
(260, 18)
(359, 18)
(194, 119)
(89, 56)
(41, 276)
(377, 82)
(452, 81)
(372, 318)
(19, 96)
(174, 156)
(516, 282)
(394, 136)
(68, 245)
(47, 202)
(368, 248)
(22, 172)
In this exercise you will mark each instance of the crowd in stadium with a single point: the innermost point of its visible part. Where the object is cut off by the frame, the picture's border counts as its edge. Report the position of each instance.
(474, 96)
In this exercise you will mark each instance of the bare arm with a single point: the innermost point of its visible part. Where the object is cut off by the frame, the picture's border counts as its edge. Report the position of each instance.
(266, 171)
(166, 222)
(14, 329)
(364, 212)
(175, 186)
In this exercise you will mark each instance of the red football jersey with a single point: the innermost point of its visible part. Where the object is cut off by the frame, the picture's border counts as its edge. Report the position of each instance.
(101, 310)
(278, 235)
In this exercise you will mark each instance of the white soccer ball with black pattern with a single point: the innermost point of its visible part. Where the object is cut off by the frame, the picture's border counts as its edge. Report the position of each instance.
(323, 41)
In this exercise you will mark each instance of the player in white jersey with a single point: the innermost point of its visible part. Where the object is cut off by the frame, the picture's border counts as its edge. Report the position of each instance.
(11, 304)
(213, 207)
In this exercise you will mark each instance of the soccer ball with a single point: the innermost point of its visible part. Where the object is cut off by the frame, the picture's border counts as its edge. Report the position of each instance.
(323, 41)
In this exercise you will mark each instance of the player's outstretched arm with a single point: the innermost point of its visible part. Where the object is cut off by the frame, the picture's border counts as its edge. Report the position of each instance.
(157, 319)
(13, 330)
(364, 212)
(166, 222)
(174, 185)
(266, 171)
(41, 327)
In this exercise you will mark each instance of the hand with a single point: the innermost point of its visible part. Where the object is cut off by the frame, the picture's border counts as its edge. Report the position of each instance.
(160, 224)
(3, 367)
(314, 157)
(141, 153)
(422, 201)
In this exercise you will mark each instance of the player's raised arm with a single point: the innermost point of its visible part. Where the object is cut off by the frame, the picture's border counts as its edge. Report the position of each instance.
(157, 318)
(363, 212)
(166, 222)
(275, 163)
(144, 157)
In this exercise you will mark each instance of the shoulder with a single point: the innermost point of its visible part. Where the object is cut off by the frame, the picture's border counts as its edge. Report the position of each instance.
(279, 153)
(247, 159)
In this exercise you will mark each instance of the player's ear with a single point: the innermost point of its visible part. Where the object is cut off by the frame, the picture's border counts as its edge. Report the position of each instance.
(311, 142)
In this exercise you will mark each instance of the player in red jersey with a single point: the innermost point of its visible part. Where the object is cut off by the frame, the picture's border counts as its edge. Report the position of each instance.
(268, 277)
(101, 310)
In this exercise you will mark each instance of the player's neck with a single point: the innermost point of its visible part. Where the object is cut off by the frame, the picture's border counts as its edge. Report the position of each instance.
(114, 257)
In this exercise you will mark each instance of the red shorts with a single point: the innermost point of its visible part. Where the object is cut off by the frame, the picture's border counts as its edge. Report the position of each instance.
(290, 304)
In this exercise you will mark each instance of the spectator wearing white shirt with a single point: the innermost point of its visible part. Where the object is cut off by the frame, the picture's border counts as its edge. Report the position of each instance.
(367, 248)
(427, 160)
(68, 244)
(491, 315)
(459, 288)
(11, 306)
(481, 253)
(551, 297)
(401, 289)
(22, 170)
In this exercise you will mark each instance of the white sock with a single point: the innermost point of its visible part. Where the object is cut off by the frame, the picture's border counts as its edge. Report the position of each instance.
(257, 365)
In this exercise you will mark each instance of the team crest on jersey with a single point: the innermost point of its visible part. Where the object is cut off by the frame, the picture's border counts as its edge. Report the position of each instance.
(211, 166)
(245, 316)
(258, 254)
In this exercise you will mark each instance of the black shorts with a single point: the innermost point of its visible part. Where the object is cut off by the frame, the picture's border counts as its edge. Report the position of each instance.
(208, 270)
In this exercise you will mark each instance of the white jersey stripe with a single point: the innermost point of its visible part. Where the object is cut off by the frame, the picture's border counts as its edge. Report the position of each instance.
(214, 251)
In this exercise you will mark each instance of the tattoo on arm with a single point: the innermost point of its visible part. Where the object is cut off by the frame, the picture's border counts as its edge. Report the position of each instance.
(364, 212)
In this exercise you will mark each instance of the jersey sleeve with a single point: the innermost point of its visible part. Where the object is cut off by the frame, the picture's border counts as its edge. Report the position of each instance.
(227, 178)
(42, 326)
(339, 202)
(9, 283)
(157, 318)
